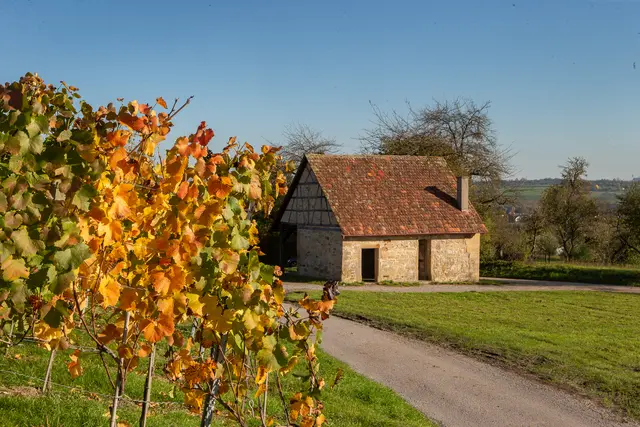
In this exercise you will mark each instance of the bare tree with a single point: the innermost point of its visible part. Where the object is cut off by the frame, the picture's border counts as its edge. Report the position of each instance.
(460, 131)
(301, 139)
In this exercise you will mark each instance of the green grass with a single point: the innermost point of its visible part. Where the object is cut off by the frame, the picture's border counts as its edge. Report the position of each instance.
(588, 342)
(398, 284)
(355, 401)
(609, 275)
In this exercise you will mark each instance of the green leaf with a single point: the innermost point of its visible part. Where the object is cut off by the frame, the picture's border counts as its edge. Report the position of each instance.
(18, 143)
(3, 203)
(64, 136)
(83, 197)
(19, 295)
(33, 129)
(35, 144)
(71, 258)
(23, 242)
(56, 314)
(238, 241)
(62, 282)
(15, 164)
(267, 359)
(266, 273)
(234, 205)
(14, 269)
(45, 275)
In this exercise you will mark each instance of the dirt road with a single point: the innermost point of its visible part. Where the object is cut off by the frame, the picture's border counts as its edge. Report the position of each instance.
(456, 390)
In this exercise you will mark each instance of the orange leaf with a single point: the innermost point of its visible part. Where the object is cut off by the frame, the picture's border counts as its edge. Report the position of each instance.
(144, 351)
(74, 366)
(161, 282)
(161, 102)
(110, 333)
(118, 138)
(144, 108)
(117, 156)
(133, 122)
(182, 144)
(220, 187)
(128, 299)
(182, 191)
(154, 331)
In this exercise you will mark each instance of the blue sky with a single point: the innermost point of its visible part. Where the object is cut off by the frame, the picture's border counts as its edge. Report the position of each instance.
(559, 73)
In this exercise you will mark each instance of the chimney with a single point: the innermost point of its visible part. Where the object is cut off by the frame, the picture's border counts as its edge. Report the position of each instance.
(463, 193)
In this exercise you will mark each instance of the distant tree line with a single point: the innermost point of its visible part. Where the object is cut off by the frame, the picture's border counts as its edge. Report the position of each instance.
(610, 185)
(567, 222)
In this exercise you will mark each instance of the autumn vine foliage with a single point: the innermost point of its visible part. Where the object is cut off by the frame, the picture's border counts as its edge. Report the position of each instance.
(99, 232)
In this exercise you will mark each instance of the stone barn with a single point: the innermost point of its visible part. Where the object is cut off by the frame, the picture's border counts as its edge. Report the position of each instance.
(376, 218)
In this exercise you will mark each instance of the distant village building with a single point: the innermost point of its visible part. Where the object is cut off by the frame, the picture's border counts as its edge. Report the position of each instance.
(376, 218)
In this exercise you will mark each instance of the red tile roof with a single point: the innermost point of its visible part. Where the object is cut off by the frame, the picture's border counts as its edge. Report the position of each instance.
(392, 195)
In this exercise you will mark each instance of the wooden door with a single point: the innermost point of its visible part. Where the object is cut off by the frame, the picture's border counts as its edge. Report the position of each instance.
(424, 259)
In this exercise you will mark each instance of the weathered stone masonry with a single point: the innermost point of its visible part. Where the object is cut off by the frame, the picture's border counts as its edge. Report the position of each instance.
(320, 252)
(397, 259)
(455, 259)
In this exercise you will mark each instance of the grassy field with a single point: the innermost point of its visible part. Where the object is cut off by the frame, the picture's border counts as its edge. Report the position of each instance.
(534, 193)
(356, 401)
(609, 275)
(586, 341)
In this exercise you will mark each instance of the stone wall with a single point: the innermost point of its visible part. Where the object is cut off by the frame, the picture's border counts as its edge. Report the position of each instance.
(455, 259)
(320, 252)
(397, 259)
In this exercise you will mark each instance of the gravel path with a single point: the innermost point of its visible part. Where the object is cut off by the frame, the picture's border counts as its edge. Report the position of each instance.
(457, 390)
(507, 285)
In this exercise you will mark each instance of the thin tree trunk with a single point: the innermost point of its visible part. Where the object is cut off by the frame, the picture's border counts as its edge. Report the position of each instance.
(147, 387)
(210, 400)
(264, 405)
(125, 336)
(120, 377)
(6, 351)
(47, 376)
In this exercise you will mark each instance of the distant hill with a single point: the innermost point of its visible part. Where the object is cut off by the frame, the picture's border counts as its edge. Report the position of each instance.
(530, 190)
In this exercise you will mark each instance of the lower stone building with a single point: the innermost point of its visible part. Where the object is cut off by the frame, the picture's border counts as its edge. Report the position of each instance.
(377, 218)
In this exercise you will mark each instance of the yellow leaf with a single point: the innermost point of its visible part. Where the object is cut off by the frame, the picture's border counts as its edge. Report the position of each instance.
(251, 319)
(194, 304)
(219, 319)
(261, 375)
(193, 400)
(110, 291)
